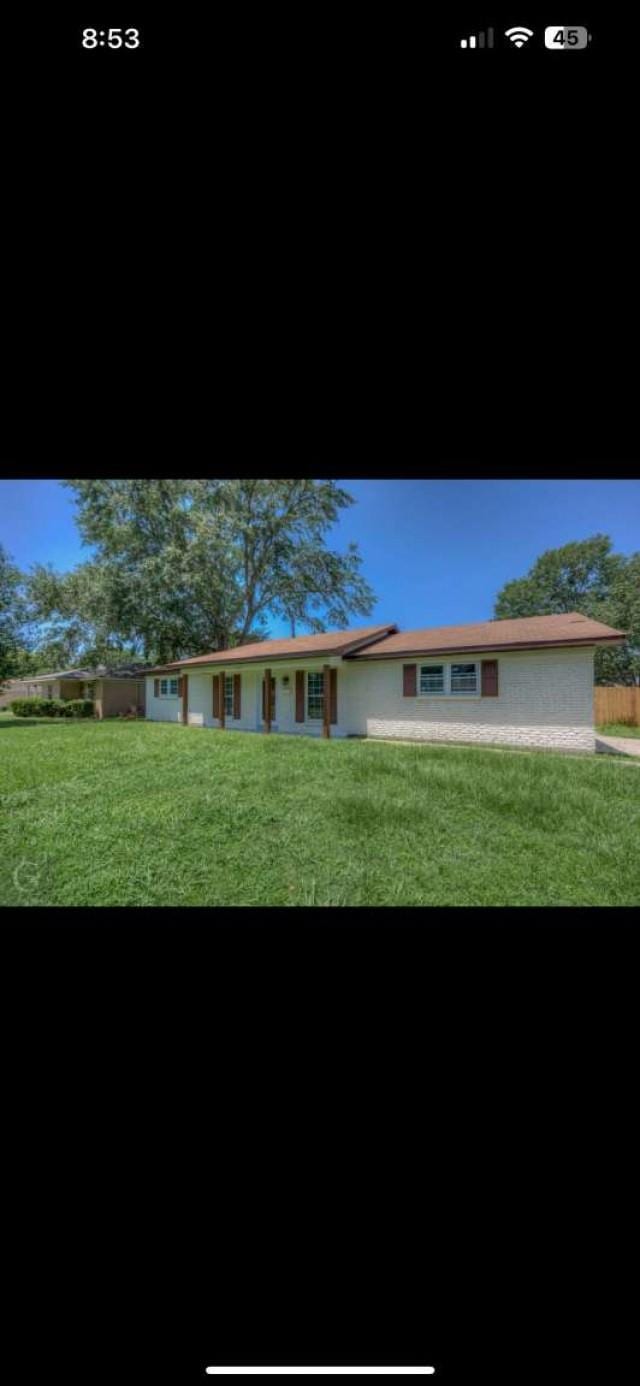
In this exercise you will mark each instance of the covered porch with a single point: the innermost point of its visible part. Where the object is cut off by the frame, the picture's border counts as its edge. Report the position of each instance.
(293, 698)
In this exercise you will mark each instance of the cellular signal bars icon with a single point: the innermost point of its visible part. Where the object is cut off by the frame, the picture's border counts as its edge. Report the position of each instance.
(480, 40)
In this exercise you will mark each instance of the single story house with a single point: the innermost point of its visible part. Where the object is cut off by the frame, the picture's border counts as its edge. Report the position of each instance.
(113, 690)
(525, 682)
(12, 688)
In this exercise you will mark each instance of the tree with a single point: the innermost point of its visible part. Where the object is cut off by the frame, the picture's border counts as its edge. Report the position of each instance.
(585, 576)
(77, 616)
(186, 565)
(12, 616)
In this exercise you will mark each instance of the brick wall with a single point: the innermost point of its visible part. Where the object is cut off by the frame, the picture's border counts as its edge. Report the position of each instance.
(161, 709)
(545, 699)
(201, 701)
(118, 695)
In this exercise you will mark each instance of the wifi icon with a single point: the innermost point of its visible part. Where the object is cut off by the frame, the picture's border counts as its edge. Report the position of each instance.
(518, 35)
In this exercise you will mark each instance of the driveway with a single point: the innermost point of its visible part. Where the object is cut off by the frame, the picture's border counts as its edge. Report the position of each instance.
(619, 745)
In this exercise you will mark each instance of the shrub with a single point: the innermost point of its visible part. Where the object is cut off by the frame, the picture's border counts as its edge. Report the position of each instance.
(34, 707)
(51, 707)
(78, 707)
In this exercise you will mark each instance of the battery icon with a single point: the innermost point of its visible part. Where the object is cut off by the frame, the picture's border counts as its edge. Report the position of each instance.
(560, 37)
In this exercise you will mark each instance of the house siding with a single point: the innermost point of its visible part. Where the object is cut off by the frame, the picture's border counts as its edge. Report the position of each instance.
(43, 690)
(545, 698)
(161, 709)
(201, 700)
(118, 695)
(200, 694)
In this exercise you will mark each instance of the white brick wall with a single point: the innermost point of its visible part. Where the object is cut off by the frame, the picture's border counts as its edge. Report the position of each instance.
(545, 699)
(201, 702)
(161, 709)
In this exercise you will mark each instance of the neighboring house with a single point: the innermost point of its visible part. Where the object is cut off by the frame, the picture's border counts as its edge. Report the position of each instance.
(113, 690)
(13, 688)
(525, 682)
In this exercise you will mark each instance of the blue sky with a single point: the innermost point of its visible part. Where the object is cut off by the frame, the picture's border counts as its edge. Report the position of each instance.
(435, 552)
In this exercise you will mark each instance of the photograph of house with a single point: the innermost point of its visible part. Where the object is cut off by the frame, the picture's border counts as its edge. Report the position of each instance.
(526, 682)
(112, 690)
(254, 692)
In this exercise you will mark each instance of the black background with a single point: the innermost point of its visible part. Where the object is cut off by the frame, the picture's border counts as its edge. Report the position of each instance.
(319, 240)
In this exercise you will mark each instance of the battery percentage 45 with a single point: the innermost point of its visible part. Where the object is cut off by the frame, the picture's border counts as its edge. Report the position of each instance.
(559, 37)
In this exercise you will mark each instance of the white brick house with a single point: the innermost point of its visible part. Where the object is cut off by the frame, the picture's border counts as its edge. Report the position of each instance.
(526, 682)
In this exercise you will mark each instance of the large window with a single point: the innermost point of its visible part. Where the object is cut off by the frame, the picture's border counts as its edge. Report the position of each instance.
(168, 688)
(447, 679)
(315, 697)
(464, 678)
(432, 678)
(228, 695)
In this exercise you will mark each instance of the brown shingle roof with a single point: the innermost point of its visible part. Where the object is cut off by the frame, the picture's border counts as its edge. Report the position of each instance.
(330, 642)
(100, 671)
(526, 632)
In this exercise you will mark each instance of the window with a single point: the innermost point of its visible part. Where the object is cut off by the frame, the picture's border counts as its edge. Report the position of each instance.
(464, 678)
(432, 678)
(315, 697)
(168, 688)
(228, 695)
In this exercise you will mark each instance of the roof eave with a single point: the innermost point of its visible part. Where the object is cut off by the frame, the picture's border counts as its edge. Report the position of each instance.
(251, 659)
(482, 649)
(292, 655)
(367, 640)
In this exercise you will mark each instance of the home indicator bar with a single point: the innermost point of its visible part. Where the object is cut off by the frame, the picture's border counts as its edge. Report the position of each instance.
(320, 1371)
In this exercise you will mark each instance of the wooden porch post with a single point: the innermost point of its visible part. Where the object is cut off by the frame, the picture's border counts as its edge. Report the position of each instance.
(185, 699)
(326, 706)
(267, 700)
(221, 677)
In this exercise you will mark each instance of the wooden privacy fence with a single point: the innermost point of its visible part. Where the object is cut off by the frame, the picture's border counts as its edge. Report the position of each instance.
(617, 704)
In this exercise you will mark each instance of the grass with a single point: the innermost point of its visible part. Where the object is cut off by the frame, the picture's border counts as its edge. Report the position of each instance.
(126, 813)
(618, 729)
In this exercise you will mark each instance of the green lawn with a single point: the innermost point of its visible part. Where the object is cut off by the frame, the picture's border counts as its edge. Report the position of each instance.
(618, 729)
(152, 814)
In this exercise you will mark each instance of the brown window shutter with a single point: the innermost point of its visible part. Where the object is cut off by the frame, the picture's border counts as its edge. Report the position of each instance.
(334, 695)
(264, 700)
(299, 695)
(237, 696)
(409, 684)
(216, 696)
(156, 688)
(489, 681)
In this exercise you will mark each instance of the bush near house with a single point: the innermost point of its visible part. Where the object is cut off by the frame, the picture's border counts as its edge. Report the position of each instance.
(52, 707)
(78, 707)
(35, 707)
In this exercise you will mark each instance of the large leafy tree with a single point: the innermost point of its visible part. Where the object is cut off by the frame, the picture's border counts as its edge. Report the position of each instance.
(180, 566)
(12, 617)
(585, 576)
(76, 616)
